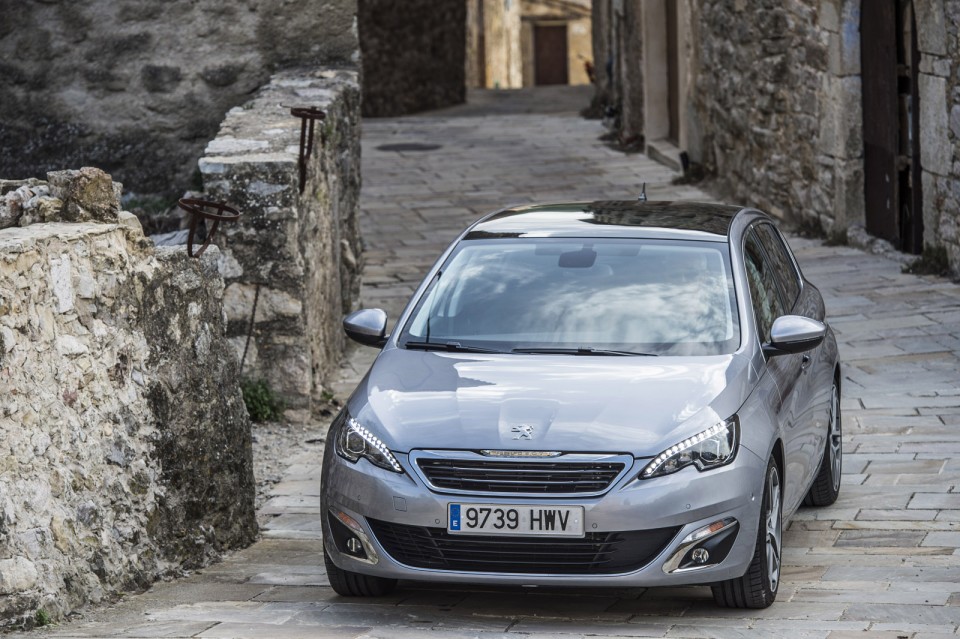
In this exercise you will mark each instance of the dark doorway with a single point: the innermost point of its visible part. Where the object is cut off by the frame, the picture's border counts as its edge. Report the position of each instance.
(550, 54)
(673, 72)
(891, 140)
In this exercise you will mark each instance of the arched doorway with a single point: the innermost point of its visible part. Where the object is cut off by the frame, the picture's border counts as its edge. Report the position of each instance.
(891, 124)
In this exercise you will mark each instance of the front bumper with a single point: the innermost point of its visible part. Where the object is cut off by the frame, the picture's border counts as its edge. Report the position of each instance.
(687, 500)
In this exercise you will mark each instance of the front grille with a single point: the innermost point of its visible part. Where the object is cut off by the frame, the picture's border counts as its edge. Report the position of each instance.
(526, 477)
(595, 554)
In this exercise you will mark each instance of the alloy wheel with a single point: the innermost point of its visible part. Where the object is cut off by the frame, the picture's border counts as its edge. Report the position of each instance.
(836, 440)
(774, 531)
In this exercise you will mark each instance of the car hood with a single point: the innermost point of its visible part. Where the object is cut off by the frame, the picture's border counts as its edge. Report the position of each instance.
(637, 405)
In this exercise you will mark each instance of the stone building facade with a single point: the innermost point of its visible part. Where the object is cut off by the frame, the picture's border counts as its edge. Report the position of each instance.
(125, 447)
(829, 113)
(138, 88)
(412, 54)
(521, 43)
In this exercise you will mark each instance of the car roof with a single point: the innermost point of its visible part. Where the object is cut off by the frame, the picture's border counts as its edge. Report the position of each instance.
(611, 218)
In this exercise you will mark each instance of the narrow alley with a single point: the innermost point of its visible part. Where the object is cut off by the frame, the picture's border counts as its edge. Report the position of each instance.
(883, 559)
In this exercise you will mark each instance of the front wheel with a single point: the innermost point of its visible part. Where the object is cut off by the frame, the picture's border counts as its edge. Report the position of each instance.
(757, 588)
(352, 584)
(826, 487)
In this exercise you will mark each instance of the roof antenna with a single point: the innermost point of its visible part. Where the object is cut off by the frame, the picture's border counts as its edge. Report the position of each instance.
(643, 193)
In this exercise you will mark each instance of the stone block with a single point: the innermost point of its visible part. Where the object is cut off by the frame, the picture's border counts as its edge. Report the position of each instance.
(17, 575)
(936, 149)
(931, 27)
(88, 194)
(955, 121)
(829, 15)
(850, 36)
(931, 209)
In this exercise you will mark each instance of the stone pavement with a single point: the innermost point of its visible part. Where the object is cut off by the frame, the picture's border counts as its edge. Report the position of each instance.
(881, 562)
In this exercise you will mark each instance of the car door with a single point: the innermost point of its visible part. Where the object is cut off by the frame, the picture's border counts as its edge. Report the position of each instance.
(768, 305)
(812, 402)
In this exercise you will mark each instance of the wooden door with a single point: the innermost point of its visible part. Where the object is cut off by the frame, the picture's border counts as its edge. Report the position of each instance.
(891, 123)
(550, 54)
(910, 203)
(878, 47)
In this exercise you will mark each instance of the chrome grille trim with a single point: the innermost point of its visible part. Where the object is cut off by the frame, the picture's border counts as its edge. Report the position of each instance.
(458, 472)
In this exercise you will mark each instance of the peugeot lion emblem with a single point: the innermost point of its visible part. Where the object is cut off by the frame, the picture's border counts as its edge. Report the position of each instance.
(523, 431)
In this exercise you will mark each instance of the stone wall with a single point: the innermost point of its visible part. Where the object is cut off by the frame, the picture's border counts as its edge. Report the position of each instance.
(938, 30)
(777, 101)
(295, 255)
(413, 55)
(139, 87)
(125, 448)
(774, 104)
(762, 67)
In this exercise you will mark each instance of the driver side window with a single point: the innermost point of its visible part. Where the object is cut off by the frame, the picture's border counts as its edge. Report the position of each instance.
(764, 295)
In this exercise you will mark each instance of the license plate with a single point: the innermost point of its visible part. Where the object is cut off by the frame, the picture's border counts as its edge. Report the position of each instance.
(500, 519)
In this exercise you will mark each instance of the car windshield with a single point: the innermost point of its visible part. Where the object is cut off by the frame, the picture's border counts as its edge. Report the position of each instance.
(582, 296)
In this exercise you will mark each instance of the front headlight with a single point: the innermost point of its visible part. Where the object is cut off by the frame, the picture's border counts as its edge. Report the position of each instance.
(713, 447)
(354, 441)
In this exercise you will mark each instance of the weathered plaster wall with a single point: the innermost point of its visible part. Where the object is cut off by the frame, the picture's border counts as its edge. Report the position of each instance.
(413, 55)
(139, 87)
(296, 255)
(125, 446)
(503, 58)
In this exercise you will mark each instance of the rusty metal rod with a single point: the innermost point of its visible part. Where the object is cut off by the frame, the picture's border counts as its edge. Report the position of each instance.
(308, 116)
(205, 210)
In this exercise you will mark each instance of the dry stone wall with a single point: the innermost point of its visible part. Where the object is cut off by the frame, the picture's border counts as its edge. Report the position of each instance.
(125, 448)
(138, 87)
(292, 262)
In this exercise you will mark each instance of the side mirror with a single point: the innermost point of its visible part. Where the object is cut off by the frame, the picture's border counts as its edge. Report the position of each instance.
(794, 334)
(367, 327)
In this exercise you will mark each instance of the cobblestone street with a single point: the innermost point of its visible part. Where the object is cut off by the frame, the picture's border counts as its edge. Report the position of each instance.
(882, 562)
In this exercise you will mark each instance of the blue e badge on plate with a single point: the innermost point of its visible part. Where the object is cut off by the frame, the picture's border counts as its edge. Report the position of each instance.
(454, 516)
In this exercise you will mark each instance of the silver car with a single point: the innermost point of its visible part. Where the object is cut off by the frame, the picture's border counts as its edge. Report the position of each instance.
(593, 394)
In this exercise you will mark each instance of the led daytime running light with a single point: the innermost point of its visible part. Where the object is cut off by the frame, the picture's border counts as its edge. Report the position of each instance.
(374, 441)
(654, 466)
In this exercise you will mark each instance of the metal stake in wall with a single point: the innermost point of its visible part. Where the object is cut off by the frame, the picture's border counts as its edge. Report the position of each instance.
(308, 116)
(200, 211)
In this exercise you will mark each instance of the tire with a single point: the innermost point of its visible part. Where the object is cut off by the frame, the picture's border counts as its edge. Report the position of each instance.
(757, 588)
(352, 584)
(826, 486)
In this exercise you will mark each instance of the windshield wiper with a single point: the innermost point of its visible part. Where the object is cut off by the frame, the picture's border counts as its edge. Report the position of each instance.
(455, 347)
(582, 350)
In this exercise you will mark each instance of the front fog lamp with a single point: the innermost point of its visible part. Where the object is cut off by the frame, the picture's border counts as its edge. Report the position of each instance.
(713, 447)
(354, 441)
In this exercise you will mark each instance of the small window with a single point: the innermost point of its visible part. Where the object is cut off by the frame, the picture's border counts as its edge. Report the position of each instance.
(767, 305)
(782, 264)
